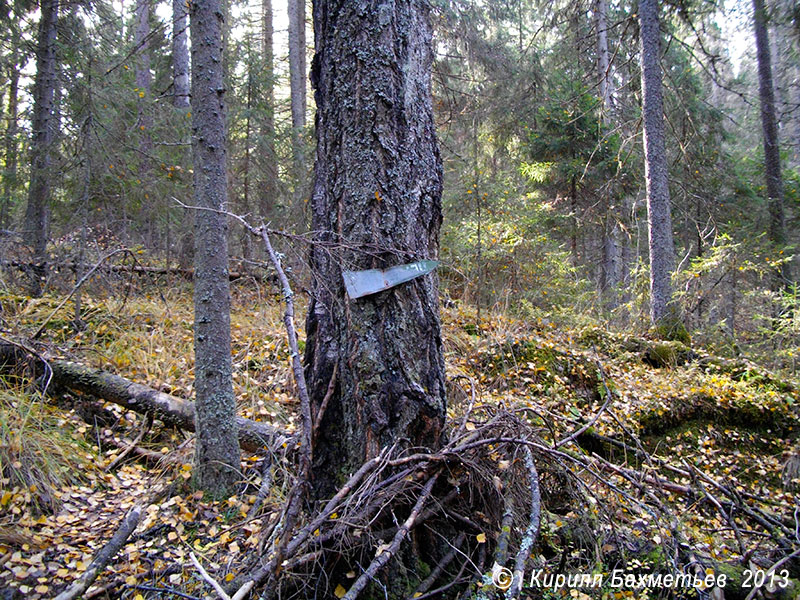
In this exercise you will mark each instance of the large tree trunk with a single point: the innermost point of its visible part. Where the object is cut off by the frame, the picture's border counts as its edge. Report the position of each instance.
(376, 202)
(659, 219)
(36, 221)
(180, 54)
(217, 453)
(772, 158)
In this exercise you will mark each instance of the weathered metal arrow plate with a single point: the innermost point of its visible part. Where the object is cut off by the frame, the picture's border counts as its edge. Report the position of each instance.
(372, 281)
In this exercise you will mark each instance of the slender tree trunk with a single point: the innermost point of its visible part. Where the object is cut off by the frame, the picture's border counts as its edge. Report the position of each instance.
(217, 451)
(297, 83)
(269, 191)
(479, 225)
(180, 54)
(573, 209)
(603, 62)
(247, 246)
(297, 62)
(36, 214)
(181, 101)
(144, 121)
(377, 200)
(659, 219)
(12, 129)
(612, 264)
(772, 158)
(83, 211)
(142, 76)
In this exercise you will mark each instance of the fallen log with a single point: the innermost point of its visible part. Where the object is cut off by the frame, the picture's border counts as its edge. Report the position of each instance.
(135, 269)
(171, 410)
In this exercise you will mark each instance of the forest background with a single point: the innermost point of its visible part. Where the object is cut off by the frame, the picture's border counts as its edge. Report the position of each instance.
(545, 255)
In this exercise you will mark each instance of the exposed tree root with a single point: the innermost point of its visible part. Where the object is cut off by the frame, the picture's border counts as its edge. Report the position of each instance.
(492, 483)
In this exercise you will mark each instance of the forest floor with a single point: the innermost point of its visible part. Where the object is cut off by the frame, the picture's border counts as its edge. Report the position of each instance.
(678, 434)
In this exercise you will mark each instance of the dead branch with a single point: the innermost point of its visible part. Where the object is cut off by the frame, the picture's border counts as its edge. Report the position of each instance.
(441, 566)
(532, 532)
(78, 285)
(384, 557)
(258, 576)
(301, 487)
(128, 449)
(105, 555)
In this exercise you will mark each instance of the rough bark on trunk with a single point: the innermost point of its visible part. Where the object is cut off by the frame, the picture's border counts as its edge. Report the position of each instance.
(377, 200)
(36, 221)
(659, 219)
(180, 54)
(217, 453)
(772, 158)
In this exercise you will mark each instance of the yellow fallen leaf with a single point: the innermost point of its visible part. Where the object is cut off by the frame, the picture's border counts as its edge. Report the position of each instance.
(229, 577)
(481, 537)
(339, 592)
